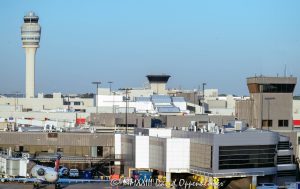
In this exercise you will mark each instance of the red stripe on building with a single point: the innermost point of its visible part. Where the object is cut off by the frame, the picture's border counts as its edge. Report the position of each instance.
(297, 123)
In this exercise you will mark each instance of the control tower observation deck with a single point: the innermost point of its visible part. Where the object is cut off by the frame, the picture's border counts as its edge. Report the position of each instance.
(31, 33)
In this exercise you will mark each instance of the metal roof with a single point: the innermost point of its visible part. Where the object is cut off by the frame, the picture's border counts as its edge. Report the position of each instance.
(142, 99)
(161, 99)
(178, 99)
(168, 110)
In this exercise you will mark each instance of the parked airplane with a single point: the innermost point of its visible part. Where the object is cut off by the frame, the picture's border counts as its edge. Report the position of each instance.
(49, 175)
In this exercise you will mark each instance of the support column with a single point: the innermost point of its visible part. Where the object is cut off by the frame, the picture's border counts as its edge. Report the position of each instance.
(254, 182)
(168, 179)
(30, 71)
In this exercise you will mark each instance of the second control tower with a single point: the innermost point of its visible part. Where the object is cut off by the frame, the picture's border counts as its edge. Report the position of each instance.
(31, 33)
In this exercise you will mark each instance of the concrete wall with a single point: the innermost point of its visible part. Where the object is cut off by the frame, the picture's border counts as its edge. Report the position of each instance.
(34, 103)
(170, 121)
(178, 155)
(216, 103)
(244, 112)
(184, 121)
(158, 88)
(191, 97)
(62, 139)
(280, 108)
(221, 119)
(142, 152)
(222, 111)
(157, 153)
(128, 152)
(84, 103)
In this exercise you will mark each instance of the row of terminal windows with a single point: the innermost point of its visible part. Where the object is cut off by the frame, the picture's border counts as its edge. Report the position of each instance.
(281, 123)
(97, 151)
(271, 88)
(236, 157)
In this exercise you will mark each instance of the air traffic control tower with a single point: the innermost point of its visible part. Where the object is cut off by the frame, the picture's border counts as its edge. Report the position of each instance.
(31, 33)
(158, 83)
(270, 106)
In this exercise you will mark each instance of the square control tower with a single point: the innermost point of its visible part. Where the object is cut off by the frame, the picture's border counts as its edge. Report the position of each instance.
(272, 102)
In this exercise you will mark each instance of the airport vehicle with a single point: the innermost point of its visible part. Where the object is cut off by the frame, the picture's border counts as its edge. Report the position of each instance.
(267, 186)
(73, 173)
(295, 185)
(48, 175)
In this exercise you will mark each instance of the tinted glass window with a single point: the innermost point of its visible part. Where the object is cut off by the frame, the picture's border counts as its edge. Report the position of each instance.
(234, 157)
(278, 88)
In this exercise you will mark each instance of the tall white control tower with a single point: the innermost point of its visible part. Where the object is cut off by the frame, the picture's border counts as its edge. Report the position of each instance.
(31, 33)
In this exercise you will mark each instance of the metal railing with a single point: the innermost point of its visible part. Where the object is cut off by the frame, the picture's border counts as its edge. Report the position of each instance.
(227, 175)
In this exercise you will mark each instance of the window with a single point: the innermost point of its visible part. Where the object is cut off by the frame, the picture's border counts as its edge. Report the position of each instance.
(99, 151)
(267, 123)
(283, 123)
(76, 103)
(67, 103)
(52, 135)
(278, 88)
(236, 157)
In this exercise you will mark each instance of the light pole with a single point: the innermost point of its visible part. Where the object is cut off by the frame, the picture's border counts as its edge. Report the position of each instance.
(126, 109)
(16, 100)
(269, 99)
(110, 83)
(97, 83)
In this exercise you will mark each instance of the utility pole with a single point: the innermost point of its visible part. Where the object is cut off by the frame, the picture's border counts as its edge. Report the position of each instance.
(126, 109)
(113, 108)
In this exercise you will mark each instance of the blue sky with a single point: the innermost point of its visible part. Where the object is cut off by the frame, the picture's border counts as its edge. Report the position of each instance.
(217, 42)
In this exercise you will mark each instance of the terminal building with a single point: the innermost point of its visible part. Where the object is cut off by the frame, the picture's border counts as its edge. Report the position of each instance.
(209, 152)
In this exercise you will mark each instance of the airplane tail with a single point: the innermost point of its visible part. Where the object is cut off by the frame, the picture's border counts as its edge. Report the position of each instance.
(57, 161)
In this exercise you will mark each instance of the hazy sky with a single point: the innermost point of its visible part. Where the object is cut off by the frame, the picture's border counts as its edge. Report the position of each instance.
(217, 42)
